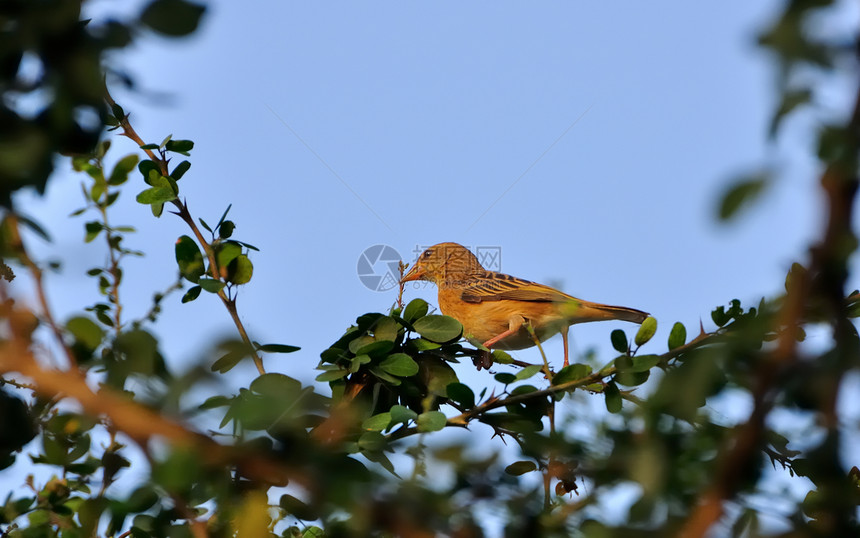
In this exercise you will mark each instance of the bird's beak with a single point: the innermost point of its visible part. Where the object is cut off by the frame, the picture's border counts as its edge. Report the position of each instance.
(415, 273)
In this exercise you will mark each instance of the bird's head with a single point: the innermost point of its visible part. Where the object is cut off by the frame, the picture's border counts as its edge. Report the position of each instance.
(445, 261)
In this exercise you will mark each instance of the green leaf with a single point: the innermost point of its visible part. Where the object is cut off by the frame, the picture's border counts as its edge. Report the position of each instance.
(419, 344)
(180, 170)
(741, 193)
(431, 421)
(386, 329)
(382, 375)
(226, 229)
(203, 223)
(86, 332)
(277, 348)
(527, 372)
(401, 414)
(377, 423)
(93, 230)
(97, 190)
(438, 328)
(235, 352)
(643, 363)
(372, 441)
(298, 509)
(438, 375)
(357, 362)
(719, 316)
(211, 285)
(192, 293)
(461, 394)
(417, 308)
(791, 99)
(613, 398)
(520, 468)
(502, 357)
(35, 227)
(119, 174)
(157, 209)
(141, 351)
(155, 195)
(619, 341)
(332, 375)
(623, 363)
(174, 18)
(214, 402)
(117, 112)
(572, 372)
(678, 336)
(189, 258)
(646, 331)
(179, 146)
(149, 146)
(632, 378)
(227, 252)
(399, 364)
(505, 378)
(240, 270)
(275, 384)
(146, 167)
(374, 349)
(224, 216)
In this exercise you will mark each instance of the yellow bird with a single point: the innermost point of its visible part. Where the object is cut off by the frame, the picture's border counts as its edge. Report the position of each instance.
(494, 308)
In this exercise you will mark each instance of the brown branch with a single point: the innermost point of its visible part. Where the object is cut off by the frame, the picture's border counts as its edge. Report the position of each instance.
(17, 246)
(113, 270)
(138, 422)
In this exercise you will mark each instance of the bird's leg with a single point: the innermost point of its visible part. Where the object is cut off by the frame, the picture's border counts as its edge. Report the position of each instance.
(564, 340)
(515, 323)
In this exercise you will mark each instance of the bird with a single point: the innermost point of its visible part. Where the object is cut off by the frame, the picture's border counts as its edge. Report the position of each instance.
(496, 309)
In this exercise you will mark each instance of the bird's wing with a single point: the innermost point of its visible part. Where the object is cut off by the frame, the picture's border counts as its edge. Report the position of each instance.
(500, 287)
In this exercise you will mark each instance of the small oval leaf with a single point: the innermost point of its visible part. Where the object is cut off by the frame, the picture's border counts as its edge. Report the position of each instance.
(520, 468)
(678, 336)
(431, 421)
(399, 364)
(438, 328)
(646, 331)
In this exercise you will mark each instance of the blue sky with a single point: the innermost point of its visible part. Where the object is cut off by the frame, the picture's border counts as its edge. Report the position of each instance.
(589, 141)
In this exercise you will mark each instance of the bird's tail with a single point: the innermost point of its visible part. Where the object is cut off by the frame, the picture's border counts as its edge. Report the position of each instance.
(584, 311)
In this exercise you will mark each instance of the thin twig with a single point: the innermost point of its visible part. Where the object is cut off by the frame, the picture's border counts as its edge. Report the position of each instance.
(18, 246)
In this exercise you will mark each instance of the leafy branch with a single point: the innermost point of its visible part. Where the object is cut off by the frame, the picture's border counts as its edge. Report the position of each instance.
(165, 190)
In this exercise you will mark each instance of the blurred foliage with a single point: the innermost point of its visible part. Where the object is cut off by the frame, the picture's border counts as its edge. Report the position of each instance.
(396, 444)
(52, 80)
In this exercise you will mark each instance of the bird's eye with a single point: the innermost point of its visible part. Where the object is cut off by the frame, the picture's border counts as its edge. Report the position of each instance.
(426, 254)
